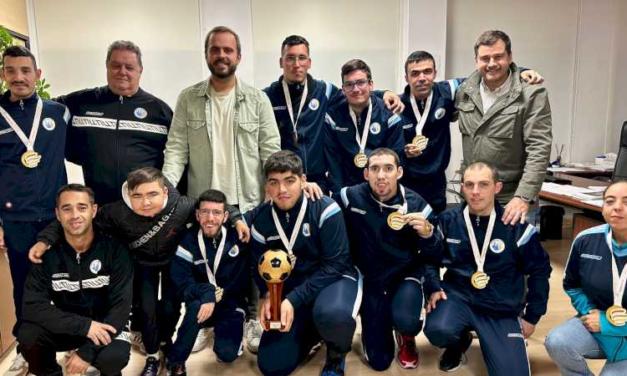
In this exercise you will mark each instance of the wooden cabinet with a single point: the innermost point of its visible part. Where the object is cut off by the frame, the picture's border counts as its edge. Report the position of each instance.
(7, 309)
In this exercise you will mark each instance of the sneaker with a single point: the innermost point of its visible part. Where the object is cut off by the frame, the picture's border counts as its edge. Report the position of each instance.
(453, 357)
(152, 367)
(253, 331)
(202, 339)
(334, 366)
(177, 370)
(137, 343)
(407, 355)
(19, 366)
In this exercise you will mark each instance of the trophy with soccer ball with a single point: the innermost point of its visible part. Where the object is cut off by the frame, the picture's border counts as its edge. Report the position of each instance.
(274, 267)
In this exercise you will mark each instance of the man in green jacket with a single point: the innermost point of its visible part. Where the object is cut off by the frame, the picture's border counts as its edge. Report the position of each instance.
(506, 122)
(223, 130)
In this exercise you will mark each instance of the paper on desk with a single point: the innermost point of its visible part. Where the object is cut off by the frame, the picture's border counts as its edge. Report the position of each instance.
(597, 188)
(565, 189)
(564, 169)
(596, 202)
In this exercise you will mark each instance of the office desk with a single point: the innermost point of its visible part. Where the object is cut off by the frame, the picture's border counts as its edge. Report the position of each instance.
(591, 215)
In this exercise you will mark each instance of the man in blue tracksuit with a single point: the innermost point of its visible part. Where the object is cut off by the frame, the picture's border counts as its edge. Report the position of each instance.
(496, 283)
(430, 106)
(391, 259)
(210, 273)
(300, 104)
(322, 293)
(589, 281)
(32, 142)
(356, 125)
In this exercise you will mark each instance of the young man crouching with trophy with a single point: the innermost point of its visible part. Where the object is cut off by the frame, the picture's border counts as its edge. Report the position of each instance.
(322, 292)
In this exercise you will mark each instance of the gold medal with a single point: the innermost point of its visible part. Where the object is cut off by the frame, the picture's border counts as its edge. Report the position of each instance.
(395, 221)
(30, 159)
(616, 315)
(479, 280)
(360, 160)
(420, 142)
(219, 292)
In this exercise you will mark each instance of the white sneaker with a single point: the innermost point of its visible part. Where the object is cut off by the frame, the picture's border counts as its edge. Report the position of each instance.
(252, 332)
(19, 366)
(137, 343)
(202, 339)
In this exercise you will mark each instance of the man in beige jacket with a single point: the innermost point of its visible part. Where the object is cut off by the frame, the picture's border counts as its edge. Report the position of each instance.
(506, 122)
(223, 130)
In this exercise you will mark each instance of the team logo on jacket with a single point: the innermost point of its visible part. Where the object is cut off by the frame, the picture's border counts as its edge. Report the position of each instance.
(375, 128)
(306, 230)
(95, 266)
(314, 104)
(233, 252)
(439, 113)
(48, 124)
(497, 246)
(140, 113)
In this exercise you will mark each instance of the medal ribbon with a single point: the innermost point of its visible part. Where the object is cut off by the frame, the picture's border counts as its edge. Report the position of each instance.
(216, 262)
(299, 221)
(30, 141)
(421, 119)
(361, 141)
(288, 102)
(479, 256)
(618, 280)
(400, 208)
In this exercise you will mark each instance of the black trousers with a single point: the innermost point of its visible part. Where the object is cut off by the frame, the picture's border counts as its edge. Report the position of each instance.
(39, 346)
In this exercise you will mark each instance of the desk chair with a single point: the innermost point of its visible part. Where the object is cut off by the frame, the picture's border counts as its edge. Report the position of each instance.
(620, 168)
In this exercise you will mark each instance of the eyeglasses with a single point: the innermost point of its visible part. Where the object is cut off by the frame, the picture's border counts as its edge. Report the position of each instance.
(291, 59)
(213, 212)
(359, 84)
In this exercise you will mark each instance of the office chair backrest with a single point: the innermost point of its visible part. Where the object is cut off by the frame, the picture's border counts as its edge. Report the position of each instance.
(620, 168)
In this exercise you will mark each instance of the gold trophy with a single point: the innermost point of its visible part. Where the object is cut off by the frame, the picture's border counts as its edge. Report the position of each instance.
(274, 267)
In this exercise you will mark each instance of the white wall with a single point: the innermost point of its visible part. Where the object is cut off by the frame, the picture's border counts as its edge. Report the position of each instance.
(336, 30)
(73, 36)
(618, 83)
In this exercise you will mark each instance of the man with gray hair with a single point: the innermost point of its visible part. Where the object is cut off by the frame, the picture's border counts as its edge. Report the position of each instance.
(507, 122)
(116, 128)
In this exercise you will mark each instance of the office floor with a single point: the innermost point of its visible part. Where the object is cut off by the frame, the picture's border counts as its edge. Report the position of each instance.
(204, 362)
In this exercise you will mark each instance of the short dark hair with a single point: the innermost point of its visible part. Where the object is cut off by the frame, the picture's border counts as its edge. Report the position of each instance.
(294, 40)
(211, 195)
(144, 175)
(125, 45)
(18, 51)
(483, 164)
(488, 38)
(385, 151)
(283, 161)
(222, 29)
(356, 64)
(418, 56)
(613, 183)
(75, 188)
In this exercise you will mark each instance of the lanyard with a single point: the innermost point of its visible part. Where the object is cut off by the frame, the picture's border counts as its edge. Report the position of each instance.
(216, 262)
(479, 256)
(618, 280)
(30, 141)
(361, 141)
(288, 102)
(421, 119)
(401, 208)
(289, 245)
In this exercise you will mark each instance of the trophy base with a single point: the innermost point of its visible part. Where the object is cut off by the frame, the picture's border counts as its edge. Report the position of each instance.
(274, 325)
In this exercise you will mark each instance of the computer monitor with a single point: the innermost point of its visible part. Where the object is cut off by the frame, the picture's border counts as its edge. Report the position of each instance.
(620, 168)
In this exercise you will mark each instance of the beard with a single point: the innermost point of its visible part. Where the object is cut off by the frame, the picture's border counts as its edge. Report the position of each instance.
(231, 68)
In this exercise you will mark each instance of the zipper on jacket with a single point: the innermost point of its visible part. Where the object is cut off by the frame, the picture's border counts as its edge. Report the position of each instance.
(80, 274)
(22, 104)
(117, 143)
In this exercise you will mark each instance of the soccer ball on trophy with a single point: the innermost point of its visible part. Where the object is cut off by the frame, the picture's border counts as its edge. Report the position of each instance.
(274, 266)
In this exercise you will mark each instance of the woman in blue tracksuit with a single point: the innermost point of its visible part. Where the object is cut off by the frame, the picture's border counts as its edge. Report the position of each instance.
(592, 283)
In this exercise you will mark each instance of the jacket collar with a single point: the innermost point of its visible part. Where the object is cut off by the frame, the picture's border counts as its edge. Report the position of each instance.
(108, 93)
(240, 89)
(6, 101)
(471, 88)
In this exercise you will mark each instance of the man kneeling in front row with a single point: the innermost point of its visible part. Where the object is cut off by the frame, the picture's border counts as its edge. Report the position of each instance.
(79, 297)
